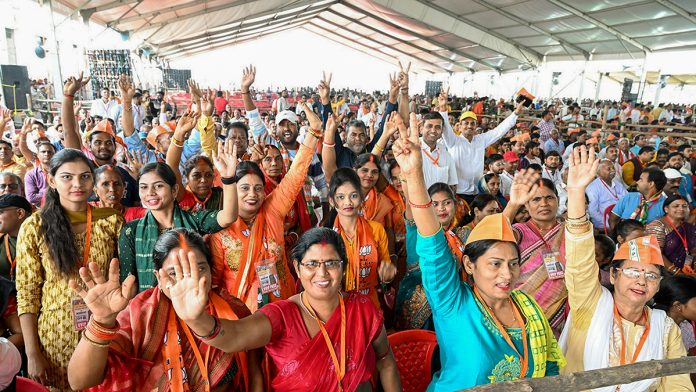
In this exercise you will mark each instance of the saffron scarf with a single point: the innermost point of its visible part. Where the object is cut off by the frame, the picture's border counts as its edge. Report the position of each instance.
(251, 250)
(191, 202)
(397, 213)
(363, 259)
(174, 358)
(457, 248)
(307, 188)
(644, 206)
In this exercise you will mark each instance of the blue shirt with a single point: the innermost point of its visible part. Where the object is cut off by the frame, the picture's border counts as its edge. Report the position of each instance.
(631, 201)
(472, 351)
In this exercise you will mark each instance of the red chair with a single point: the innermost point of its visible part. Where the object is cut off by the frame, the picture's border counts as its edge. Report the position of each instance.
(413, 351)
(27, 385)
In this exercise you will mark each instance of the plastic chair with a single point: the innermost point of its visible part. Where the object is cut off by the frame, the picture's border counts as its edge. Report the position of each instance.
(413, 351)
(27, 385)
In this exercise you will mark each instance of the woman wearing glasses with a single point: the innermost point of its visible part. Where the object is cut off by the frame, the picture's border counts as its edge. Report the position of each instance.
(605, 329)
(320, 340)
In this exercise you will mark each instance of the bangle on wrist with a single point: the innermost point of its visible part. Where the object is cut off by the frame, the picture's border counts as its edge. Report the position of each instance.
(314, 132)
(426, 205)
(95, 343)
(245, 93)
(69, 96)
(214, 333)
(329, 145)
(229, 180)
(176, 142)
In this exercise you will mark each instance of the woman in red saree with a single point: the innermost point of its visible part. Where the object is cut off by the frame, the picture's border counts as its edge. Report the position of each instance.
(128, 346)
(320, 340)
(256, 241)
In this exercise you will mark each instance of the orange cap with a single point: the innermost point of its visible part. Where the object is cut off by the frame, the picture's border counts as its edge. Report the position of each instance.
(104, 126)
(592, 140)
(611, 137)
(642, 249)
(159, 130)
(493, 227)
(522, 137)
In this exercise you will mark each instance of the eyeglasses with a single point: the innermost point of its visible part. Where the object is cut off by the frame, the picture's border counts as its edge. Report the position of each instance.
(632, 273)
(12, 187)
(329, 264)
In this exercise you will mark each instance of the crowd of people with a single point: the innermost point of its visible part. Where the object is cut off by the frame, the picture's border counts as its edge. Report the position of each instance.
(150, 246)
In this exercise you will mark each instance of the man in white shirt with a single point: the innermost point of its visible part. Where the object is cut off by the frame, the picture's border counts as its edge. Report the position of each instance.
(611, 153)
(469, 149)
(573, 118)
(603, 193)
(104, 106)
(512, 161)
(282, 103)
(667, 114)
(550, 169)
(438, 165)
(298, 104)
(596, 111)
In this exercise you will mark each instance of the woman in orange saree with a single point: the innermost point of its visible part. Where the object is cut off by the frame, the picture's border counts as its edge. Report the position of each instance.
(249, 259)
(369, 264)
(144, 344)
(320, 340)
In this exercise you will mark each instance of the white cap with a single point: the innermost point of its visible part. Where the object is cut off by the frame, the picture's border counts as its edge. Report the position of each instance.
(11, 362)
(286, 115)
(671, 174)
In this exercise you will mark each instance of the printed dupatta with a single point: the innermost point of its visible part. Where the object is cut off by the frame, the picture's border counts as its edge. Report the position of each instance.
(363, 259)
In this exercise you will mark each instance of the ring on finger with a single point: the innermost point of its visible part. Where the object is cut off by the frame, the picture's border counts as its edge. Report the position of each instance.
(187, 275)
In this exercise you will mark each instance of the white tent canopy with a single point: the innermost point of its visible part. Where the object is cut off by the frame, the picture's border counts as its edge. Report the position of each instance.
(437, 36)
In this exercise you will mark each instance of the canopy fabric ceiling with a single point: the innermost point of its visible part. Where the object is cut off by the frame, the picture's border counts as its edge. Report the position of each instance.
(437, 35)
(652, 77)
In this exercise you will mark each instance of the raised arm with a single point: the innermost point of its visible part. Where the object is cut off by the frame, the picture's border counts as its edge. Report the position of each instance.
(23, 146)
(189, 297)
(523, 188)
(498, 132)
(448, 135)
(292, 182)
(183, 127)
(389, 108)
(127, 92)
(106, 298)
(70, 129)
(403, 91)
(328, 149)
(582, 271)
(225, 161)
(256, 124)
(393, 124)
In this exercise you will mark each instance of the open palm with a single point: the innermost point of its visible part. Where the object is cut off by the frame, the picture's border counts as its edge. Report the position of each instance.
(104, 298)
(188, 290)
(226, 158)
(583, 167)
(524, 186)
(248, 77)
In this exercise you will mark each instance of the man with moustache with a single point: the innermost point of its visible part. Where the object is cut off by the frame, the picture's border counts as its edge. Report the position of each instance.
(438, 165)
(603, 193)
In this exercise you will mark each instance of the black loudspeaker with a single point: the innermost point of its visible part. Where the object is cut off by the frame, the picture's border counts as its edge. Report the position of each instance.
(626, 91)
(432, 87)
(15, 75)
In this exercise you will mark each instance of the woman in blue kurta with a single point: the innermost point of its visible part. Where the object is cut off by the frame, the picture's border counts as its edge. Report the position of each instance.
(487, 332)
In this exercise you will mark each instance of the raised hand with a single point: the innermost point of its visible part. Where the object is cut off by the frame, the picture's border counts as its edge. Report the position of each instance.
(186, 123)
(442, 100)
(314, 121)
(104, 298)
(248, 77)
(73, 85)
(195, 90)
(582, 167)
(208, 103)
(259, 150)
(136, 161)
(26, 126)
(89, 123)
(403, 76)
(407, 150)
(225, 159)
(324, 88)
(524, 186)
(520, 108)
(126, 87)
(393, 87)
(188, 290)
(331, 124)
(5, 117)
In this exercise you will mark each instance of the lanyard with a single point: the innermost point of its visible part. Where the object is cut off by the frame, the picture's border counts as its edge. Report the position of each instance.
(88, 235)
(435, 161)
(523, 358)
(202, 365)
(533, 227)
(682, 238)
(613, 194)
(340, 369)
(551, 176)
(13, 261)
(641, 342)
(200, 204)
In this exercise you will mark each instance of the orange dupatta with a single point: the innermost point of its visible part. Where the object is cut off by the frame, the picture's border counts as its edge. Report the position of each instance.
(397, 212)
(254, 246)
(363, 257)
(457, 248)
(172, 352)
(372, 209)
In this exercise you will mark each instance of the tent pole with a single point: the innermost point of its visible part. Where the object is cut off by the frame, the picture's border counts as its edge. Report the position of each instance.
(57, 83)
(599, 85)
(643, 78)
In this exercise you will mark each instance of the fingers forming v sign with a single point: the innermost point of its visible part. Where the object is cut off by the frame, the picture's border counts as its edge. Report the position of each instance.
(187, 288)
(407, 149)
